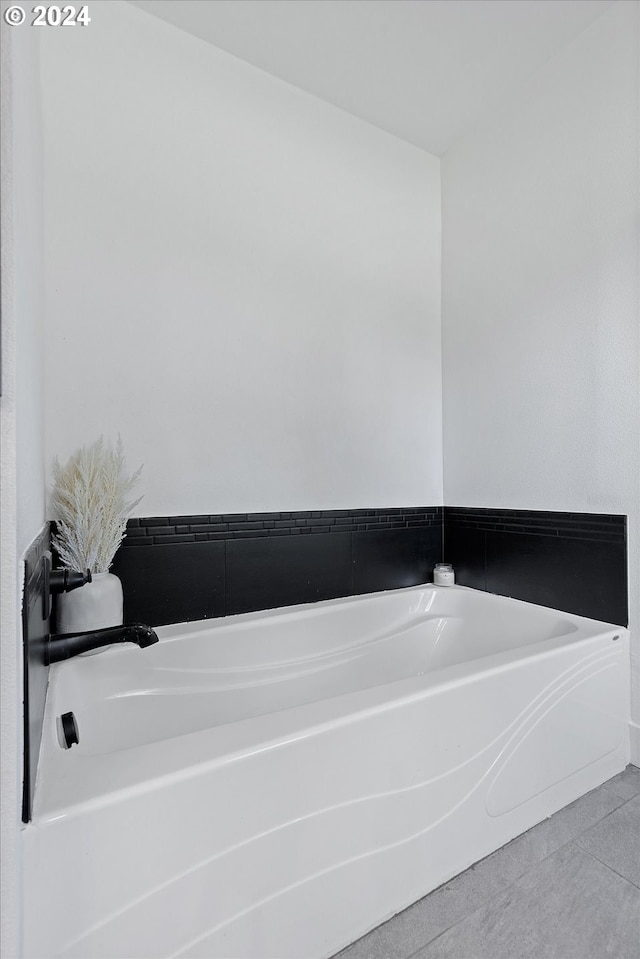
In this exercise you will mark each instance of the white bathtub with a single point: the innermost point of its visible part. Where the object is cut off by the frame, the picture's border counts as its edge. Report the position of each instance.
(276, 784)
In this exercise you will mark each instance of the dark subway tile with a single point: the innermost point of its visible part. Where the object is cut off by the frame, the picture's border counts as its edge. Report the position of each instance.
(209, 528)
(169, 540)
(599, 526)
(524, 530)
(465, 550)
(130, 543)
(391, 559)
(570, 561)
(596, 535)
(285, 571)
(155, 521)
(173, 583)
(578, 576)
(188, 520)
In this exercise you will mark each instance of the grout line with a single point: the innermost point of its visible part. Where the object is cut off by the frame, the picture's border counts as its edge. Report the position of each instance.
(351, 570)
(608, 865)
(484, 554)
(491, 899)
(625, 799)
(224, 570)
(623, 802)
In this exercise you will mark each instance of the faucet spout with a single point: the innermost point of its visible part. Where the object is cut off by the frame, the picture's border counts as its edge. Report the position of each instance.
(64, 645)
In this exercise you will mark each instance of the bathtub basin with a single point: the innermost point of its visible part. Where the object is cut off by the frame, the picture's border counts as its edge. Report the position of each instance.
(276, 784)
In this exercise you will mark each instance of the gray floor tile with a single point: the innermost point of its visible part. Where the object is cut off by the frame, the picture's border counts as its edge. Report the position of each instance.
(455, 900)
(527, 850)
(615, 840)
(626, 783)
(571, 906)
(427, 918)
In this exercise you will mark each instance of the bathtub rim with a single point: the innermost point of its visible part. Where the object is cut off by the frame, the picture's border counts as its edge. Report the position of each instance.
(170, 631)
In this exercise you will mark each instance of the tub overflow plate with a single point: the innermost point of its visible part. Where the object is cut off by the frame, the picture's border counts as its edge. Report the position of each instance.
(68, 734)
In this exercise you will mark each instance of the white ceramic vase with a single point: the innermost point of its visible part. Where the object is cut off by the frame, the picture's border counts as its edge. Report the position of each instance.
(95, 605)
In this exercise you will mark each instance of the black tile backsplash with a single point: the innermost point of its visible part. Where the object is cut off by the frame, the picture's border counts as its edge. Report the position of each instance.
(264, 573)
(171, 583)
(179, 568)
(588, 526)
(176, 568)
(580, 576)
(465, 549)
(237, 525)
(386, 558)
(576, 562)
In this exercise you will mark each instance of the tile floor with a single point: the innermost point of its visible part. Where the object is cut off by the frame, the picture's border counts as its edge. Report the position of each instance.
(567, 889)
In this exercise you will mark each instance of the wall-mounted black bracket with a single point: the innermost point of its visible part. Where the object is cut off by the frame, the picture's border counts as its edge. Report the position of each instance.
(58, 581)
(35, 627)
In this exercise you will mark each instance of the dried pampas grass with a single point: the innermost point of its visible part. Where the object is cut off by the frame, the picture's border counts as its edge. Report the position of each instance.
(91, 506)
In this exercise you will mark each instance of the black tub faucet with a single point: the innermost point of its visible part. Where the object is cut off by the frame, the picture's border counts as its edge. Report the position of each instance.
(65, 645)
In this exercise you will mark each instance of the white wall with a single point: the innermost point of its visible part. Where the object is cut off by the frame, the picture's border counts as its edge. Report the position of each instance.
(241, 279)
(541, 370)
(29, 290)
(21, 426)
